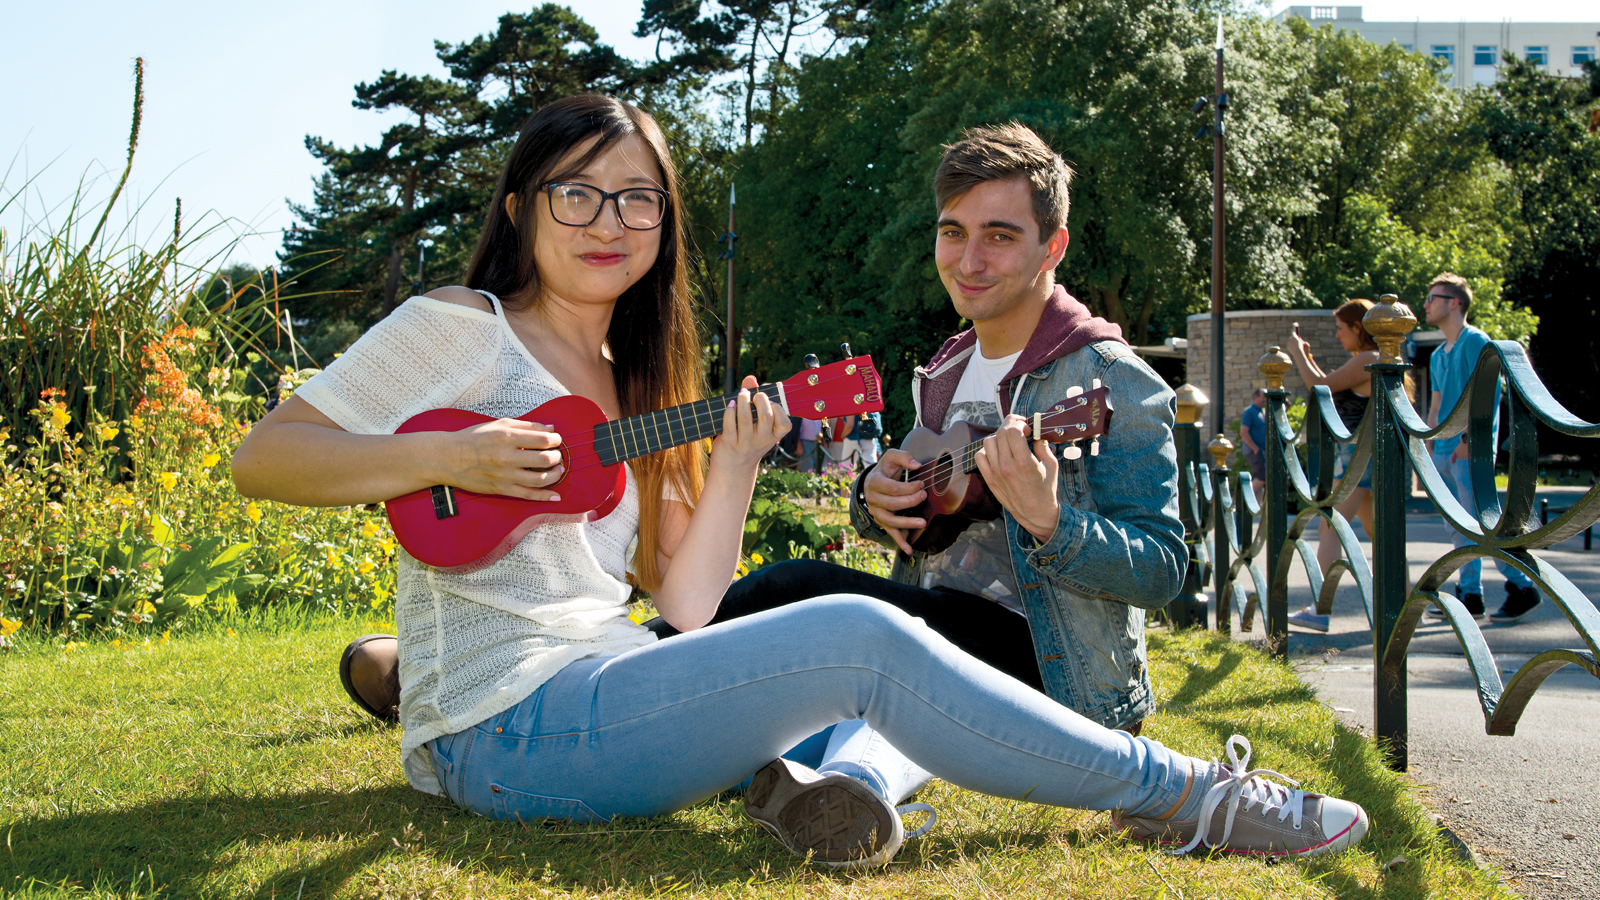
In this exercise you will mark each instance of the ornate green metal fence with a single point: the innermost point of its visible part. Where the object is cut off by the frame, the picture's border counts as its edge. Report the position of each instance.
(1247, 555)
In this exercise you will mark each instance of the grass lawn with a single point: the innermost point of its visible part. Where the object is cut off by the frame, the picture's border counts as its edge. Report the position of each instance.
(224, 764)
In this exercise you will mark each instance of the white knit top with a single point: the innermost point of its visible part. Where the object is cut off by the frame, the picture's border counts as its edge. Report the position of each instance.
(473, 644)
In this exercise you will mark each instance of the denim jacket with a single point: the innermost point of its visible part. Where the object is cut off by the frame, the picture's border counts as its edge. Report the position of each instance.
(1118, 547)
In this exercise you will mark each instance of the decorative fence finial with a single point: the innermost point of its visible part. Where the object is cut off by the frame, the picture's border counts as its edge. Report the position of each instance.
(1192, 403)
(1273, 364)
(1220, 448)
(1389, 322)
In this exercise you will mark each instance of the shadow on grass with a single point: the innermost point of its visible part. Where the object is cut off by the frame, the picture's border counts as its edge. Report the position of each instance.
(222, 844)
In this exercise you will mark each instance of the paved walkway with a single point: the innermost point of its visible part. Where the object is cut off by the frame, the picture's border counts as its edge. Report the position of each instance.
(1528, 805)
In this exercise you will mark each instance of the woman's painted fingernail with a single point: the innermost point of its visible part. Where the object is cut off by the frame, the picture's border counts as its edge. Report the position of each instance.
(554, 498)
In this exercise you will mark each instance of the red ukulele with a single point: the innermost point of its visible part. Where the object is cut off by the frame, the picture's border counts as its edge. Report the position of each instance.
(957, 496)
(446, 527)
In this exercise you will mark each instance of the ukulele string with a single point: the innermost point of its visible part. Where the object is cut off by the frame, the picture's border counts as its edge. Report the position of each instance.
(944, 469)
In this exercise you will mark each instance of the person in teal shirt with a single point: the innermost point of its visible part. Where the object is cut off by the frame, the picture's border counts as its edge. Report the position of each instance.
(1449, 370)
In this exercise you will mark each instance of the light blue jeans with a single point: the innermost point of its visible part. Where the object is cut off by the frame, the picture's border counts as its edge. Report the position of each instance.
(667, 725)
(1469, 578)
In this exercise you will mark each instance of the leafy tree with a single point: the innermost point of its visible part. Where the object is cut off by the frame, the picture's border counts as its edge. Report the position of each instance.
(838, 226)
(1543, 128)
(764, 41)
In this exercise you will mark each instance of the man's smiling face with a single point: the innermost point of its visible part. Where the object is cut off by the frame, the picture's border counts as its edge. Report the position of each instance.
(988, 251)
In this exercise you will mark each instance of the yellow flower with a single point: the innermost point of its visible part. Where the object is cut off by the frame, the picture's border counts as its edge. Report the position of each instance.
(230, 633)
(107, 432)
(369, 530)
(135, 422)
(333, 558)
(165, 635)
(8, 627)
(756, 558)
(59, 417)
(210, 459)
(387, 546)
(253, 511)
(379, 597)
(116, 643)
(365, 565)
(169, 480)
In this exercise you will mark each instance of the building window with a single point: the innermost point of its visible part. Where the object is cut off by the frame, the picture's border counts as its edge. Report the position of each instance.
(1446, 52)
(1407, 47)
(1321, 12)
(1581, 55)
(1483, 55)
(1539, 56)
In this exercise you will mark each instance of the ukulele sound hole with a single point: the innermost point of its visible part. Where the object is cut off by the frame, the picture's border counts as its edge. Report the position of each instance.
(943, 468)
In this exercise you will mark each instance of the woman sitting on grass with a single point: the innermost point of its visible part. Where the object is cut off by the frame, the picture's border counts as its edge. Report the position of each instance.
(527, 692)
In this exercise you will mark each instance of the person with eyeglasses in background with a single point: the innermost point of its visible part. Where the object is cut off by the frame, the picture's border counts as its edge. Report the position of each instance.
(1449, 369)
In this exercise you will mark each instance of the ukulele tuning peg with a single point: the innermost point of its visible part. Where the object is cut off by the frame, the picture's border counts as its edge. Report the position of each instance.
(811, 361)
(1094, 447)
(1073, 452)
(1097, 384)
(1075, 390)
(845, 349)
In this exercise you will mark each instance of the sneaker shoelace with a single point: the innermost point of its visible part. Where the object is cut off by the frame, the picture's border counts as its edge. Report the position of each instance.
(933, 816)
(1249, 787)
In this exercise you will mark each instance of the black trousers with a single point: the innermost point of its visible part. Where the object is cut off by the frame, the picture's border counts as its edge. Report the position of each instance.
(981, 627)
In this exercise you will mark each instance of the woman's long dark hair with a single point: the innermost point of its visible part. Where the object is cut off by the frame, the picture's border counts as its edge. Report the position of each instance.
(654, 333)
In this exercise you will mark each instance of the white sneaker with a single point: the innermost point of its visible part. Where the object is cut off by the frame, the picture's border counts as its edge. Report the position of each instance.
(1308, 619)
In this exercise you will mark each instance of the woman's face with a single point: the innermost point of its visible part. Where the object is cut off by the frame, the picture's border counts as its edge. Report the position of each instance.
(1348, 338)
(595, 263)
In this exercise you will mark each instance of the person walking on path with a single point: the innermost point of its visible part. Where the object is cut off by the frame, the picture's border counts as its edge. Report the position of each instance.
(1253, 437)
(1351, 385)
(1449, 370)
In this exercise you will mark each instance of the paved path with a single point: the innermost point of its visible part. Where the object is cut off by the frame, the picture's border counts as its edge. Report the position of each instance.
(1528, 805)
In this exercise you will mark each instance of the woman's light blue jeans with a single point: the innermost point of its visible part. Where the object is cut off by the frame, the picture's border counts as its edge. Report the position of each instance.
(664, 726)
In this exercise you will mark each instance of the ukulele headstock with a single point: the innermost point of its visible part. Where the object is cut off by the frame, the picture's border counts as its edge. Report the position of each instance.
(1083, 415)
(845, 388)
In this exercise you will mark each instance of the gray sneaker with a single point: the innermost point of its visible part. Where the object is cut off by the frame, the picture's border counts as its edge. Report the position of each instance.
(834, 818)
(1244, 812)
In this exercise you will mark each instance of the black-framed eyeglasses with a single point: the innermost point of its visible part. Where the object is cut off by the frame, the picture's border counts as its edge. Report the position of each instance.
(1432, 297)
(575, 203)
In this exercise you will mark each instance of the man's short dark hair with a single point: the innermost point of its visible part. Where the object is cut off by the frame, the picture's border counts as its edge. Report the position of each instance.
(1455, 285)
(1260, 392)
(1001, 153)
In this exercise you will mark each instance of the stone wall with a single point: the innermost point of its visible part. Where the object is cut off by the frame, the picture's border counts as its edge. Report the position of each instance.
(1249, 334)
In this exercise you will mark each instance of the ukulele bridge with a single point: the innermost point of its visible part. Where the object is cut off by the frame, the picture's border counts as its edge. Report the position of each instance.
(444, 502)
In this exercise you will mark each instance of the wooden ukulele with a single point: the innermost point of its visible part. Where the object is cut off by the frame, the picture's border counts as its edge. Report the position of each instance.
(447, 527)
(957, 496)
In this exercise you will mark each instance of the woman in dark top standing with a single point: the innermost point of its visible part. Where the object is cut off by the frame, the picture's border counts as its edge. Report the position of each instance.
(1351, 385)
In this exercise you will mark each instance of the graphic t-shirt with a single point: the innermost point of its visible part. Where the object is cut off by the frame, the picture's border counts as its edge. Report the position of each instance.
(979, 562)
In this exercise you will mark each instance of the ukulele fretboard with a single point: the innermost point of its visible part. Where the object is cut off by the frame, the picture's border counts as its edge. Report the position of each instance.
(641, 435)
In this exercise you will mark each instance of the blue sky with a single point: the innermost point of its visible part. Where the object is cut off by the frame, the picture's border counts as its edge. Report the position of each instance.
(231, 90)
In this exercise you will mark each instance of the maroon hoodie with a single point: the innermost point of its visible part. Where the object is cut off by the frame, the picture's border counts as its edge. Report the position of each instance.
(1065, 326)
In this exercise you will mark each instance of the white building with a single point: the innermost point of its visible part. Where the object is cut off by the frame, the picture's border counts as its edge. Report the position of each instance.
(1471, 50)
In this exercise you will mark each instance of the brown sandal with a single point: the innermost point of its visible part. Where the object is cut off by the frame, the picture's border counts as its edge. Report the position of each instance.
(370, 673)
